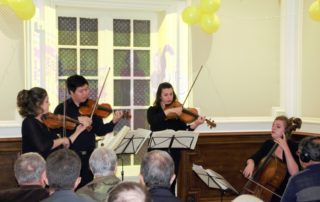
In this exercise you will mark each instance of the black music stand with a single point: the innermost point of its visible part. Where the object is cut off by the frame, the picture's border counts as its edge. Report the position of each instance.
(168, 139)
(214, 180)
(131, 143)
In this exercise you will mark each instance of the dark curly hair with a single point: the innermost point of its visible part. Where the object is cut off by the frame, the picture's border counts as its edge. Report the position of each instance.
(29, 101)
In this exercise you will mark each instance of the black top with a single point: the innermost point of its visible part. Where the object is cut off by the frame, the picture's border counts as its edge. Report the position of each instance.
(158, 121)
(263, 151)
(36, 137)
(160, 194)
(30, 193)
(86, 140)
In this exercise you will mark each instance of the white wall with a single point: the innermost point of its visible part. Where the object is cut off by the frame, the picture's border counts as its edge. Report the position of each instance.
(11, 62)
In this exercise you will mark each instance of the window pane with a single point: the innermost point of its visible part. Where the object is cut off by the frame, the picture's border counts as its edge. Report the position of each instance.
(121, 92)
(141, 63)
(121, 32)
(67, 31)
(141, 92)
(140, 118)
(93, 86)
(67, 61)
(140, 121)
(63, 94)
(121, 123)
(88, 31)
(141, 33)
(121, 59)
(89, 62)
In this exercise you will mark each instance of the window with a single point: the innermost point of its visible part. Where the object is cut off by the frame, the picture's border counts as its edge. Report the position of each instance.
(78, 51)
(131, 62)
(82, 49)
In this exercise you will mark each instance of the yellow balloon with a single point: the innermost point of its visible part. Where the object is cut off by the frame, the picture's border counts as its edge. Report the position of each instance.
(26, 13)
(314, 11)
(209, 23)
(3, 2)
(191, 15)
(209, 6)
(24, 9)
(19, 4)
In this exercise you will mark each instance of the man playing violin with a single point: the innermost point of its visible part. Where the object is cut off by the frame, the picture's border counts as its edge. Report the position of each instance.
(78, 88)
(157, 118)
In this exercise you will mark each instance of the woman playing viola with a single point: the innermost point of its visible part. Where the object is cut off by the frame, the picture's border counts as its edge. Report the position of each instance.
(285, 151)
(157, 118)
(36, 136)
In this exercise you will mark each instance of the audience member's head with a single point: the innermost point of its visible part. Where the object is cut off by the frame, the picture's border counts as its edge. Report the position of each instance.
(30, 169)
(103, 162)
(157, 169)
(309, 151)
(63, 170)
(129, 192)
(246, 198)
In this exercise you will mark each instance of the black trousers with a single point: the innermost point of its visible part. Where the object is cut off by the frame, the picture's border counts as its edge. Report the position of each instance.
(85, 173)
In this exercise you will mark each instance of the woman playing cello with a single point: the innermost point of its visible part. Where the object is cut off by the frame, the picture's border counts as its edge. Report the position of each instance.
(285, 151)
(157, 118)
(36, 136)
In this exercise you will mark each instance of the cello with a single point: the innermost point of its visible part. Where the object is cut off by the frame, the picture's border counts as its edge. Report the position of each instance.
(271, 171)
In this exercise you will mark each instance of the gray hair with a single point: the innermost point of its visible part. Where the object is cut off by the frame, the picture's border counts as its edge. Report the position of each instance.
(157, 168)
(103, 162)
(63, 169)
(29, 167)
(128, 192)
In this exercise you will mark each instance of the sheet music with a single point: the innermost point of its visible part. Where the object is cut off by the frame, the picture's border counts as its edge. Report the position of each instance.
(212, 178)
(137, 138)
(116, 139)
(181, 139)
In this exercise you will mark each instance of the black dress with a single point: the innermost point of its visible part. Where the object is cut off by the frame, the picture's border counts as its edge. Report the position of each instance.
(157, 120)
(86, 141)
(37, 137)
(263, 151)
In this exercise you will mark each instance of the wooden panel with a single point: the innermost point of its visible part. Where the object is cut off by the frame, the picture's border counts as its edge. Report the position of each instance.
(9, 151)
(225, 153)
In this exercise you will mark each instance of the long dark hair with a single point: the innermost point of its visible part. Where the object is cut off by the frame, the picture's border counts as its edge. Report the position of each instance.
(162, 86)
(29, 101)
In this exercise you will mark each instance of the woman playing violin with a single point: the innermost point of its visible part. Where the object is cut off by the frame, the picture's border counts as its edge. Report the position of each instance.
(36, 136)
(157, 118)
(285, 151)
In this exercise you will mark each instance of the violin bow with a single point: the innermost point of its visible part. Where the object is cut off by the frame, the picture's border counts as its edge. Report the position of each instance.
(96, 103)
(192, 85)
(64, 128)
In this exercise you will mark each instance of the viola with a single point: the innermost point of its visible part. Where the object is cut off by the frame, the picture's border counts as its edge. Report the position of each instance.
(101, 110)
(188, 115)
(271, 171)
(57, 121)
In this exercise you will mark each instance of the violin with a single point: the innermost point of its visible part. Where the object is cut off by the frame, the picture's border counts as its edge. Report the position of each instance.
(101, 110)
(57, 121)
(271, 171)
(188, 115)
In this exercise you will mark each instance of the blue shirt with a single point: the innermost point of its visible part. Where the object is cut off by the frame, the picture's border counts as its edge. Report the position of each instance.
(304, 186)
